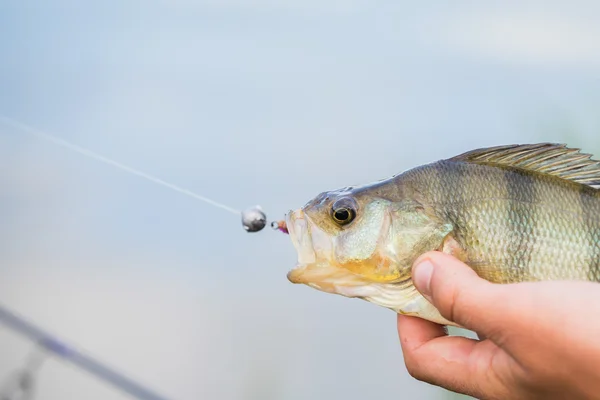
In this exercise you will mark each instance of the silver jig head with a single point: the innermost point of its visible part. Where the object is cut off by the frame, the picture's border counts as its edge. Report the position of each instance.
(254, 219)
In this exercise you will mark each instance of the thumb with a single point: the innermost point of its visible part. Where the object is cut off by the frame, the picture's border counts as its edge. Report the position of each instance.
(458, 293)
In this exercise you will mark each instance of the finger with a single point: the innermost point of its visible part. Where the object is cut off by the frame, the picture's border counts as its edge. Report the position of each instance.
(414, 332)
(459, 293)
(433, 357)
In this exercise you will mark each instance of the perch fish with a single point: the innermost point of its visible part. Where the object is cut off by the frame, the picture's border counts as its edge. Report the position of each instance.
(513, 213)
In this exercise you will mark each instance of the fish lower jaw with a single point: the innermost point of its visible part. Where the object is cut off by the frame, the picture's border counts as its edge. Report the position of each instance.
(398, 297)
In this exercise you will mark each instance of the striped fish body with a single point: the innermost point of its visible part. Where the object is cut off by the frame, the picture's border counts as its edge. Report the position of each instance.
(514, 224)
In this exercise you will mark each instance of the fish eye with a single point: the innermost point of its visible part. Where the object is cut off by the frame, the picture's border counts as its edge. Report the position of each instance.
(343, 211)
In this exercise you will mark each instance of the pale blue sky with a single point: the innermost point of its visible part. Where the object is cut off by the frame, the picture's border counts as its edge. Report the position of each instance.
(247, 102)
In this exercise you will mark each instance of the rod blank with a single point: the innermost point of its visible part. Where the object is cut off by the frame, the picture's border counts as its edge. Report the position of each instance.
(70, 354)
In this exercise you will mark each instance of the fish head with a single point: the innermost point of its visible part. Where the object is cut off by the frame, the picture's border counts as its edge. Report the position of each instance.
(339, 230)
(360, 242)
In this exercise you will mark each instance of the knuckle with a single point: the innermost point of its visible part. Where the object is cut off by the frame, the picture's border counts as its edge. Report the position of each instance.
(460, 303)
(414, 370)
(414, 365)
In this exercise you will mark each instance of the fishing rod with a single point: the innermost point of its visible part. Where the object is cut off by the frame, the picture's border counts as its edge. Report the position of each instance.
(59, 348)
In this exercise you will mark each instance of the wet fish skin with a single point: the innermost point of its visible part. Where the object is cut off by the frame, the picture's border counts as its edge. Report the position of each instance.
(515, 225)
(512, 213)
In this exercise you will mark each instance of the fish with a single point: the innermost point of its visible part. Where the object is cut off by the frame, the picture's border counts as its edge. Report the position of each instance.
(513, 213)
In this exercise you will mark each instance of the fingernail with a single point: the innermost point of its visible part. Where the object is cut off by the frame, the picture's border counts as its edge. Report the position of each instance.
(422, 276)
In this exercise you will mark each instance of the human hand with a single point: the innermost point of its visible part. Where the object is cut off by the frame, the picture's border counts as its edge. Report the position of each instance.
(541, 339)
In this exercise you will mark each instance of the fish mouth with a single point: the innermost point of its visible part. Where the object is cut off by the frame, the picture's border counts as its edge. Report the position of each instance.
(315, 252)
(316, 266)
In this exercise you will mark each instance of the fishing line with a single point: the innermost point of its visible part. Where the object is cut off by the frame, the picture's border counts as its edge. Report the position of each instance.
(90, 154)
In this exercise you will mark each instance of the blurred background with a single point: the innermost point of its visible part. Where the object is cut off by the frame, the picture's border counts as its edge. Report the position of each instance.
(247, 102)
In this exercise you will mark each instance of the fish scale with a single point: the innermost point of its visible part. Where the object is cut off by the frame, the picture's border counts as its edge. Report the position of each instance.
(517, 226)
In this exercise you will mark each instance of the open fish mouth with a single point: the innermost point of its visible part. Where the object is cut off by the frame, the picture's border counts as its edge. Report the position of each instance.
(316, 266)
(315, 251)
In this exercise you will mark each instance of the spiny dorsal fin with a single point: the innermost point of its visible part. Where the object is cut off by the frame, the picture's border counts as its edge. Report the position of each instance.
(550, 158)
